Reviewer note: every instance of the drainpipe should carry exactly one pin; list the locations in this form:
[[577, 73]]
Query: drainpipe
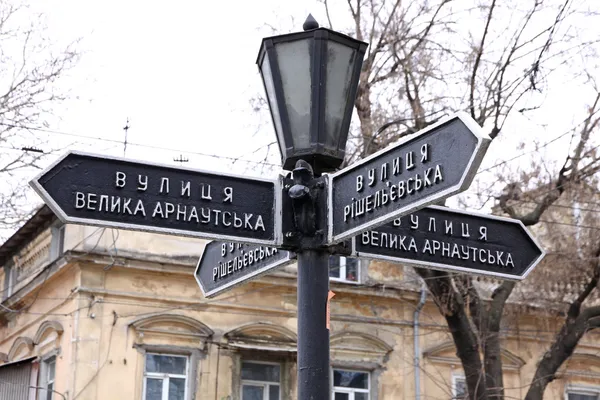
[[417, 358]]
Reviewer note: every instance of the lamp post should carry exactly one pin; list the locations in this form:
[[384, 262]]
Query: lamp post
[[310, 79]]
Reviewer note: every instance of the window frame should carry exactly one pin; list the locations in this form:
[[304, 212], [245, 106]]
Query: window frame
[[342, 271], [44, 381], [351, 391], [455, 379], [10, 279], [165, 377], [264, 384], [581, 389]]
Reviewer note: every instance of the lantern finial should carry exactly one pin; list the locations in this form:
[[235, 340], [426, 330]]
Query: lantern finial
[[310, 23]]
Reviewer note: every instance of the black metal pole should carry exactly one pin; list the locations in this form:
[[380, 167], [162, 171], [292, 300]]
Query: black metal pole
[[313, 335]]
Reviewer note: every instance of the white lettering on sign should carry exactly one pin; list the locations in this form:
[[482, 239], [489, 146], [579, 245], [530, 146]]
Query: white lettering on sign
[[396, 168], [142, 183], [425, 153], [371, 176], [482, 233], [246, 258], [430, 224], [384, 172], [164, 185], [203, 191], [168, 210], [359, 183], [120, 179], [409, 161], [118, 204], [185, 188], [394, 192], [414, 221], [228, 192], [408, 244]]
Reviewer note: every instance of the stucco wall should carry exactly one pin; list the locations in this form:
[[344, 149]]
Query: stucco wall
[[115, 306]]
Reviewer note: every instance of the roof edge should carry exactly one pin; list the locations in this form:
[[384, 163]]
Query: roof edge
[[25, 233]]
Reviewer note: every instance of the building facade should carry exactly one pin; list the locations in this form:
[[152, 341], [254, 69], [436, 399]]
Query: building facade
[[93, 313]]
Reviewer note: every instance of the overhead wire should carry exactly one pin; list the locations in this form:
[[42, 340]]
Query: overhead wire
[[537, 148], [263, 163], [569, 224], [148, 146], [234, 159], [115, 238], [565, 206], [110, 339], [3, 382], [221, 300], [430, 325], [47, 270]]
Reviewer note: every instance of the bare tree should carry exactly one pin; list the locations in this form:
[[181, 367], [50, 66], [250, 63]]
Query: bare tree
[[495, 60], [31, 68]]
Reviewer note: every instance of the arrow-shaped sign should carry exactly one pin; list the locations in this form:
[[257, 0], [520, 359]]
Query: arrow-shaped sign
[[224, 265], [442, 238], [435, 163], [114, 192]]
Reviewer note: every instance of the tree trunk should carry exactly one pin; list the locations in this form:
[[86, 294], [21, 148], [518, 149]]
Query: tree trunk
[[565, 343], [492, 355], [467, 350], [451, 306]]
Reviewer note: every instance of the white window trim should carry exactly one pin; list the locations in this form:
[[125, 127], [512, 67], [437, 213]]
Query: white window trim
[[155, 375], [264, 384], [351, 391], [343, 272], [582, 389], [43, 384], [12, 280], [454, 379]]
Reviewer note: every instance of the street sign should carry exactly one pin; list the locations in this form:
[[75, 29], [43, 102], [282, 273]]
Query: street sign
[[114, 192], [442, 238], [224, 265], [435, 163]]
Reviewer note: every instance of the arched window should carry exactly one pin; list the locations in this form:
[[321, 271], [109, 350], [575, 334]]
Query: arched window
[[22, 348], [357, 359], [264, 360], [171, 348]]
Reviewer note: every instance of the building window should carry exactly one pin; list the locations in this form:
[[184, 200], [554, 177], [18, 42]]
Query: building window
[[261, 381], [47, 372], [10, 279], [165, 377], [583, 393], [459, 388], [344, 269], [350, 385]]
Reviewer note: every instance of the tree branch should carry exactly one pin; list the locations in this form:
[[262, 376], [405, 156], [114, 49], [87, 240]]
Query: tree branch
[[478, 59], [576, 324]]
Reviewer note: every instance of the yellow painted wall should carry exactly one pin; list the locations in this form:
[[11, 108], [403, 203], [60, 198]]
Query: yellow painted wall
[[102, 302]]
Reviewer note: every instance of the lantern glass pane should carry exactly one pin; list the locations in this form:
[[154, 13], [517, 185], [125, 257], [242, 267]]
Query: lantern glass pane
[[267, 75], [340, 64], [294, 64]]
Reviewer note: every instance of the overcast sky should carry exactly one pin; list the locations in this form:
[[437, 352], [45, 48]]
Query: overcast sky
[[184, 74]]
